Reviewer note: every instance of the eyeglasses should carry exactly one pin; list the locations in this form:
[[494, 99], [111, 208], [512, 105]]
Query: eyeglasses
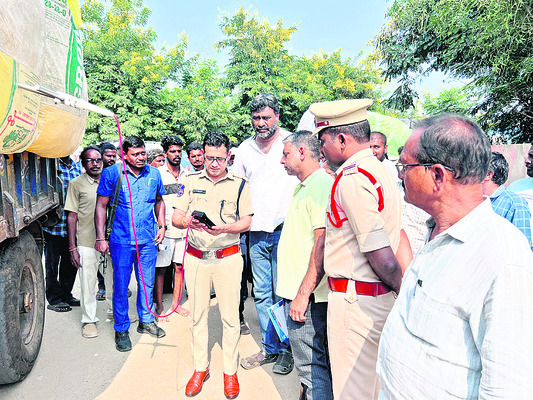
[[93, 160], [401, 167], [219, 160]]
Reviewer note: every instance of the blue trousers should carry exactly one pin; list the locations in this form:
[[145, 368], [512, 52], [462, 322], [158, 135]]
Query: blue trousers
[[264, 253], [309, 344], [124, 257]]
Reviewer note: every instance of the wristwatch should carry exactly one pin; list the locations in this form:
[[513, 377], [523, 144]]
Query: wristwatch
[[162, 226]]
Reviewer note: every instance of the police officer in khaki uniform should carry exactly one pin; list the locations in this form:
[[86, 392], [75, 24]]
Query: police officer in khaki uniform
[[213, 256], [362, 237]]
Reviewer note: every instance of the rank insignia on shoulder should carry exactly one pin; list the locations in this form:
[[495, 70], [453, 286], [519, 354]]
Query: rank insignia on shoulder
[[181, 190], [351, 169]]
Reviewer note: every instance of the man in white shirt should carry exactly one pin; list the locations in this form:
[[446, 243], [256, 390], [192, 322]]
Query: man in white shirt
[[460, 326], [271, 188]]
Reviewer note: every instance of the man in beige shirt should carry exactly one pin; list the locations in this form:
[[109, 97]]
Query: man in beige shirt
[[80, 205], [362, 237], [213, 256]]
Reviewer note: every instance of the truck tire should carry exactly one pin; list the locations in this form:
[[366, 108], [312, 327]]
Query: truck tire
[[21, 307]]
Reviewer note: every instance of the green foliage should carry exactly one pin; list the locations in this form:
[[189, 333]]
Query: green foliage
[[456, 100], [487, 42], [155, 93], [259, 62], [124, 71]]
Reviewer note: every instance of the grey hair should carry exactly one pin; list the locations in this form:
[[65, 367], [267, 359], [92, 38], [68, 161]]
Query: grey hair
[[456, 142], [499, 167], [263, 100], [306, 140]]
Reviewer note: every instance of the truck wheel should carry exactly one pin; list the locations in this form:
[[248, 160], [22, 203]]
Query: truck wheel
[[21, 307]]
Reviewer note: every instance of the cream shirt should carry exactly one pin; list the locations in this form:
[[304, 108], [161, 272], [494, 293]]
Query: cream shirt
[[461, 326]]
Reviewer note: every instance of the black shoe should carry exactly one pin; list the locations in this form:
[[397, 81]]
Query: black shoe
[[122, 341], [284, 364], [151, 328], [73, 302]]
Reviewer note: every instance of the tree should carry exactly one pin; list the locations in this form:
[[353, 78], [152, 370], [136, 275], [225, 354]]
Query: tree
[[454, 100], [489, 43], [124, 71], [200, 104], [259, 62]]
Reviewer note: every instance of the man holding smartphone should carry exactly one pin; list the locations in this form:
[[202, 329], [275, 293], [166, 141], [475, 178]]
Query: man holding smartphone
[[213, 256]]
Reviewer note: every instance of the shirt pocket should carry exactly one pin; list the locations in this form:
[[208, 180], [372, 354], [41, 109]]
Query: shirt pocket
[[150, 190], [228, 211], [198, 202]]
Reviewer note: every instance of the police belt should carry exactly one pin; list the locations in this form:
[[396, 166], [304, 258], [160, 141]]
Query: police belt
[[212, 254], [361, 288]]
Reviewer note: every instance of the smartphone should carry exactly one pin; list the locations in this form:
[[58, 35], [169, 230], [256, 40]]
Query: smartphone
[[204, 219]]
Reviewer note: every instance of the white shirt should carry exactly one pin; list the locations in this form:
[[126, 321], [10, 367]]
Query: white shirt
[[461, 327], [270, 185]]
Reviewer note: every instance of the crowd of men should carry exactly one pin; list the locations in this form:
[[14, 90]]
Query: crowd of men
[[373, 308]]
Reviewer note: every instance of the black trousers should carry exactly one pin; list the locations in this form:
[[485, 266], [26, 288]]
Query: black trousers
[[60, 273]]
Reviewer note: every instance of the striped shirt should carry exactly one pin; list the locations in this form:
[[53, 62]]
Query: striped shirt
[[68, 173], [514, 209], [461, 325]]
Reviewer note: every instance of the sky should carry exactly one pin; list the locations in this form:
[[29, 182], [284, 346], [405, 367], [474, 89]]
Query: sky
[[348, 25]]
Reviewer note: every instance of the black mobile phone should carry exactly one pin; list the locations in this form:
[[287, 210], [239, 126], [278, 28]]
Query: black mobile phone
[[204, 219]]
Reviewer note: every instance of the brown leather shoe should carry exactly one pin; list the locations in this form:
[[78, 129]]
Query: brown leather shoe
[[231, 386], [194, 386]]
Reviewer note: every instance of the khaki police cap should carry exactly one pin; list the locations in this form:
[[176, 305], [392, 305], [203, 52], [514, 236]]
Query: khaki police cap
[[340, 112]]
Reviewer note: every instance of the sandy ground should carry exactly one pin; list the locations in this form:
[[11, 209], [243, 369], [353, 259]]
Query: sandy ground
[[71, 367]]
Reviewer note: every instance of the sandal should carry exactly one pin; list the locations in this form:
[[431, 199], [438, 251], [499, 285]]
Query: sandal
[[59, 307], [258, 359], [284, 364], [100, 295]]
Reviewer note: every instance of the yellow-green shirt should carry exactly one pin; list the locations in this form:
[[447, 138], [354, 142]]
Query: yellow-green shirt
[[218, 201], [307, 212]]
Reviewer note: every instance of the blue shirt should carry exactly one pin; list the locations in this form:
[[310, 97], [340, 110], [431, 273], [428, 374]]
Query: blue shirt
[[144, 189], [68, 173], [513, 208]]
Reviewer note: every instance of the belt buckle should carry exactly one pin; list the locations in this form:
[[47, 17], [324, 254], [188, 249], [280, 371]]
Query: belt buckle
[[209, 254]]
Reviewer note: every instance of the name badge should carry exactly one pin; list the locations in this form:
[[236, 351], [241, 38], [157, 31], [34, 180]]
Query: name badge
[[198, 191]]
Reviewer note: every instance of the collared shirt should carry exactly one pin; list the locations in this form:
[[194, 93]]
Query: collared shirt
[[306, 213], [144, 189], [366, 229], [514, 209], [81, 199], [270, 185], [461, 325], [218, 200], [524, 188], [173, 187], [68, 173]]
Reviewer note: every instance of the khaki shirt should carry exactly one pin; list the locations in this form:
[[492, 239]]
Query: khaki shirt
[[81, 199], [217, 200], [172, 186], [366, 229]]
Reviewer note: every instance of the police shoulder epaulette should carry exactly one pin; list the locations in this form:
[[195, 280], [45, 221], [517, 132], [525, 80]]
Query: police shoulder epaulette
[[351, 169], [238, 176]]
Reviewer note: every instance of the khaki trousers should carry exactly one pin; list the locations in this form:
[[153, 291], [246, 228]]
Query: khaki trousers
[[354, 329], [225, 276], [91, 261]]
